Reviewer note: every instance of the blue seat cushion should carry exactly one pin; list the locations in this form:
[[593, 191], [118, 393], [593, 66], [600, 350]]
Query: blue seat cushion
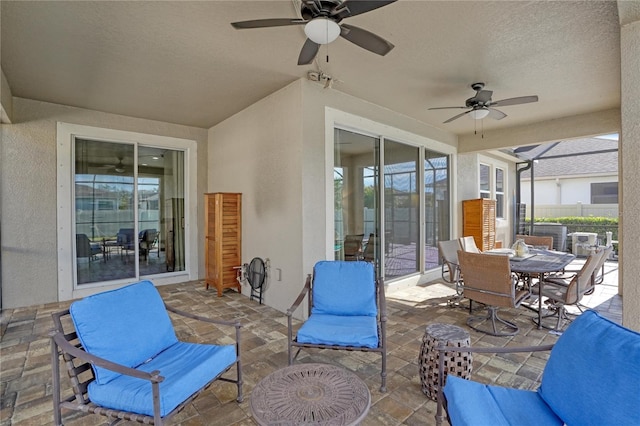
[[473, 403], [127, 326], [592, 376], [344, 288], [360, 331], [186, 367]]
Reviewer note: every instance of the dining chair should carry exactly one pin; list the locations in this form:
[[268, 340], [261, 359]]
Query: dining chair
[[85, 248], [536, 241], [468, 244], [352, 246], [561, 292], [450, 270], [488, 280], [148, 242], [369, 254]]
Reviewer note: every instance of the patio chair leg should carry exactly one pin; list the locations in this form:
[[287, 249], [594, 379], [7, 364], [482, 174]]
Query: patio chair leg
[[492, 315]]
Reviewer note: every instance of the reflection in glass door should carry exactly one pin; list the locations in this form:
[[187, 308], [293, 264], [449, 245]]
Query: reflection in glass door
[[128, 211]]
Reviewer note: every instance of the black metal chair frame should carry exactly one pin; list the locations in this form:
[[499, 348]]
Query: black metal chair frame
[[381, 319], [65, 344]]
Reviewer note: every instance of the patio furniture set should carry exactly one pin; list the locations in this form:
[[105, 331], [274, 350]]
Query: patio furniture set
[[125, 362]]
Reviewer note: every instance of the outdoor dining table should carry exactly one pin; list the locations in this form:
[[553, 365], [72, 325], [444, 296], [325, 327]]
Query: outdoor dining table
[[541, 262]]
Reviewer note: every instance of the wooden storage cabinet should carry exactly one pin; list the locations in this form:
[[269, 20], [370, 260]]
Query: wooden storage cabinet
[[479, 221], [223, 240]]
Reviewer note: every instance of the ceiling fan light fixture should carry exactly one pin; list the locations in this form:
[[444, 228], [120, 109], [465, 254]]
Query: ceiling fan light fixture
[[322, 30], [479, 114]]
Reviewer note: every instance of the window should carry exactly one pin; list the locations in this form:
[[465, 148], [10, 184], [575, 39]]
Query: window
[[604, 193], [485, 181], [492, 184], [499, 192]]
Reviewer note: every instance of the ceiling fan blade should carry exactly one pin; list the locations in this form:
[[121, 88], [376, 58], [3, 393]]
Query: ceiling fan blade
[[265, 23], [356, 7], [515, 101], [459, 107], [496, 114], [455, 117], [483, 96], [308, 52], [365, 39]]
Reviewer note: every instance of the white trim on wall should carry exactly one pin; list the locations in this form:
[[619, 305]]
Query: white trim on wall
[[65, 215]]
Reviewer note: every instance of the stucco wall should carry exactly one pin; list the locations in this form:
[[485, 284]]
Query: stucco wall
[[629, 160], [258, 152], [274, 152], [29, 272]]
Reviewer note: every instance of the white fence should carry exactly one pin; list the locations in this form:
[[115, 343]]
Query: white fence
[[579, 209]]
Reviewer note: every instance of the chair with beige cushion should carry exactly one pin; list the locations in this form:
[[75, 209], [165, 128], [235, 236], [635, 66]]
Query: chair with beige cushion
[[449, 253], [468, 244], [561, 292], [488, 280], [536, 241]]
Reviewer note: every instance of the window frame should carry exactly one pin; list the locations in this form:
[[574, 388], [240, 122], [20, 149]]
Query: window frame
[[493, 166]]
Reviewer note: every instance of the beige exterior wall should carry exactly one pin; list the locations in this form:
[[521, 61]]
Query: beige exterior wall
[[29, 246], [277, 153], [629, 159]]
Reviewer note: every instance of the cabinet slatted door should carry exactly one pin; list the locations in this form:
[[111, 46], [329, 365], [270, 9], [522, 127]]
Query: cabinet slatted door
[[223, 241], [479, 221]]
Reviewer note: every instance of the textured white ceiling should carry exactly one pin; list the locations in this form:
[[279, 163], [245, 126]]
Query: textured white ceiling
[[181, 62]]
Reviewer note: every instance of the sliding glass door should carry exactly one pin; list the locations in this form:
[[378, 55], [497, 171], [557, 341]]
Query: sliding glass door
[[402, 238], [129, 211]]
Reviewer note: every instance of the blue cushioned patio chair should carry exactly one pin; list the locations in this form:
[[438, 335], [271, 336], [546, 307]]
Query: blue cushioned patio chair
[[591, 378], [125, 361], [347, 311]]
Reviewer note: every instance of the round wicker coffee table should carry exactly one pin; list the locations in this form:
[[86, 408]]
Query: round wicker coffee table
[[300, 394], [457, 363]]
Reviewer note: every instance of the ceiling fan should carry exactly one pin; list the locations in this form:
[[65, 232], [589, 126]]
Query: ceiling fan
[[118, 167], [481, 105], [322, 20]]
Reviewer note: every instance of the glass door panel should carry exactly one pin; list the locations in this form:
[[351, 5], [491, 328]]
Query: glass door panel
[[436, 205], [104, 211], [160, 210], [402, 208], [355, 177]]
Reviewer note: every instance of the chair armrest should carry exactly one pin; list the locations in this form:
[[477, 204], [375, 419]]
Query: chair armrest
[[76, 352], [442, 348], [300, 298]]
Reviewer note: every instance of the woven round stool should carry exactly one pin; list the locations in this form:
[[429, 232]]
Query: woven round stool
[[458, 363]]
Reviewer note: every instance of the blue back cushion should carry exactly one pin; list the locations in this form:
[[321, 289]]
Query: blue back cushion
[[128, 326], [592, 376], [344, 288]]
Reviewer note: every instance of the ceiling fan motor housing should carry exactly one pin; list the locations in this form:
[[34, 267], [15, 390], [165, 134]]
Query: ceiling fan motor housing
[[309, 9]]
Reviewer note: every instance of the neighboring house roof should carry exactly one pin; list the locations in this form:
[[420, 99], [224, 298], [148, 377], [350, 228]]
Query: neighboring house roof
[[570, 158]]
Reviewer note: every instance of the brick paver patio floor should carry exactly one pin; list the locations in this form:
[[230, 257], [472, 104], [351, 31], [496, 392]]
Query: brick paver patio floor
[[25, 370]]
